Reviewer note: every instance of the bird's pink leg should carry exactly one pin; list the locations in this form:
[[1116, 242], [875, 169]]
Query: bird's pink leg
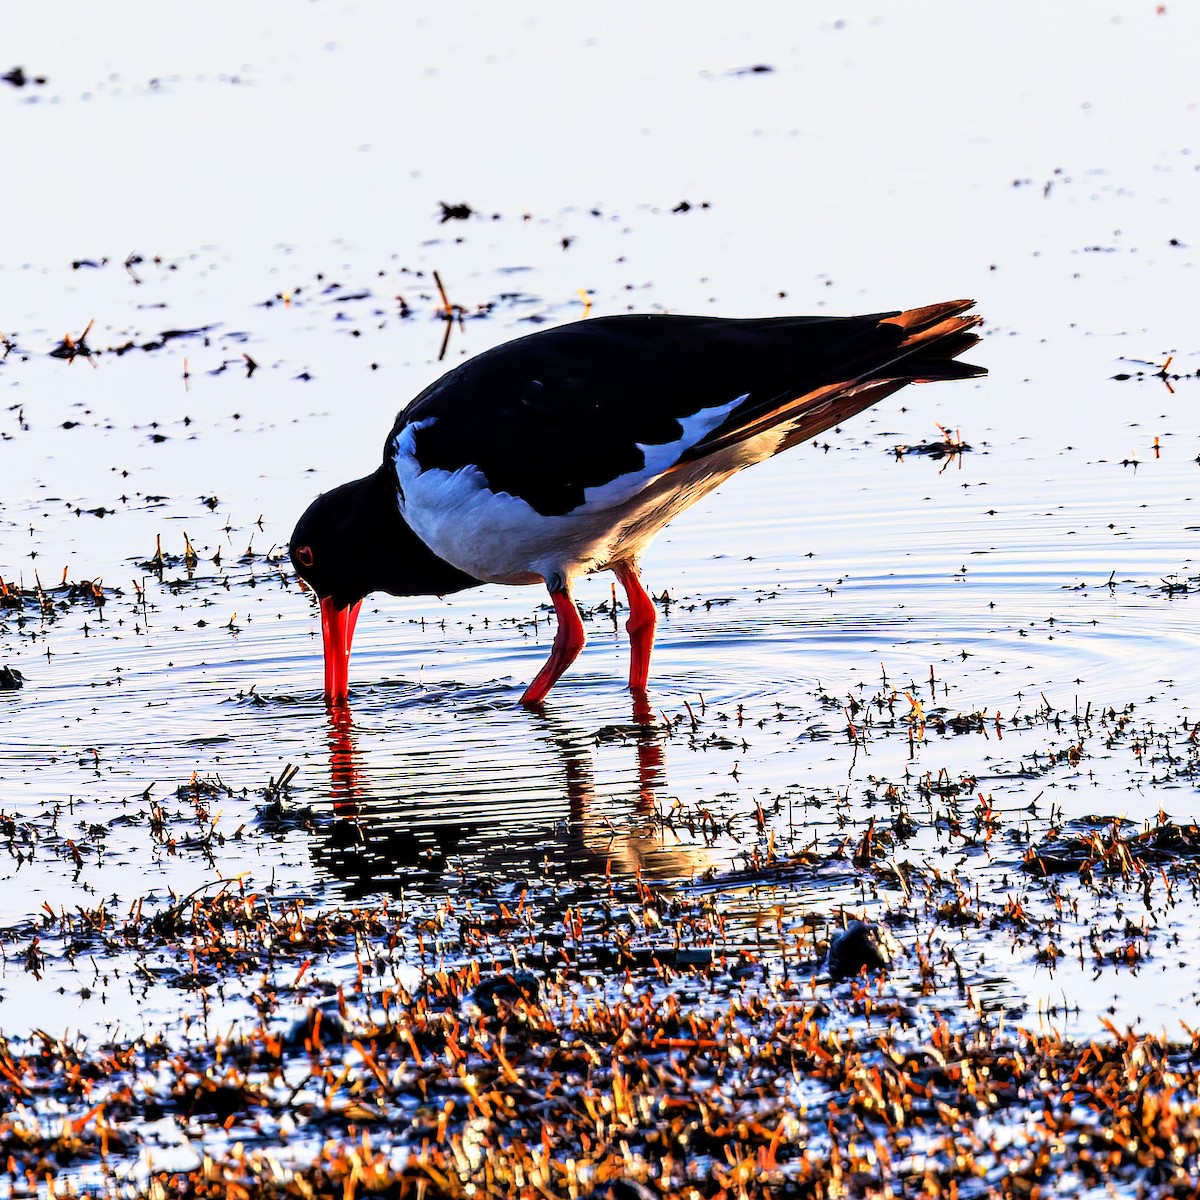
[[643, 618], [568, 642]]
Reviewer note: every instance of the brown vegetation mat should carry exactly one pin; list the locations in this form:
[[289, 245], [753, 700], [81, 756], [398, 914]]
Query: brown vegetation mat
[[627, 1053]]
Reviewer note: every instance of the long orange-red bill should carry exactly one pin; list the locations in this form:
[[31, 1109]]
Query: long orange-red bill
[[337, 631]]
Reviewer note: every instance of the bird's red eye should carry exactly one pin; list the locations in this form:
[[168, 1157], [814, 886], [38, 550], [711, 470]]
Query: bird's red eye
[[304, 556]]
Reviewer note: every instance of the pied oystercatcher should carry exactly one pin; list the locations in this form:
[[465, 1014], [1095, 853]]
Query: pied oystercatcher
[[565, 451]]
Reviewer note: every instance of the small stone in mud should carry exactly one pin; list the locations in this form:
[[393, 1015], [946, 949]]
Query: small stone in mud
[[11, 679], [509, 986], [858, 945]]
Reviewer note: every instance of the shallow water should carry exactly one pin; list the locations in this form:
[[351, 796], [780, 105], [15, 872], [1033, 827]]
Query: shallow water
[[275, 194]]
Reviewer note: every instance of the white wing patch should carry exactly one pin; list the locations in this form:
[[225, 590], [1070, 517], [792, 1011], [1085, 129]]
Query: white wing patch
[[490, 535], [658, 458], [501, 538]]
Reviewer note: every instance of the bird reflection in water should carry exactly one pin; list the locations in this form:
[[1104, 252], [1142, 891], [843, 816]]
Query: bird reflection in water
[[384, 838], [343, 761]]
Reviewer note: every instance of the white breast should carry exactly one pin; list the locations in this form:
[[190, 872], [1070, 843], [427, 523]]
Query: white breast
[[500, 538]]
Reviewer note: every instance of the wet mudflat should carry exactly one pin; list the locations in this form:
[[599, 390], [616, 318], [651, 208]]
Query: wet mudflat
[[934, 674]]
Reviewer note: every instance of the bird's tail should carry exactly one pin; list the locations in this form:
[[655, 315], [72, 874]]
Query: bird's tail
[[935, 336], [925, 351]]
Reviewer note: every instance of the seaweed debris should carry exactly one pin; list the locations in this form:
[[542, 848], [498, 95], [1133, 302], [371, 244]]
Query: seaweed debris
[[715, 1076]]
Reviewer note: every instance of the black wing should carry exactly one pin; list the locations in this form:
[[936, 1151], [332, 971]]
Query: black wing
[[565, 409]]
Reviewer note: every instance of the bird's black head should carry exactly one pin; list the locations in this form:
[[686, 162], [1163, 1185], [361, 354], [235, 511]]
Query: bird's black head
[[352, 541], [328, 550]]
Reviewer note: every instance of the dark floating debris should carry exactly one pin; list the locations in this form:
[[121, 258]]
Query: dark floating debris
[[72, 348], [1161, 372], [1112, 846], [49, 601], [455, 212], [19, 79], [203, 787], [950, 445], [11, 679], [1172, 585], [162, 339]]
